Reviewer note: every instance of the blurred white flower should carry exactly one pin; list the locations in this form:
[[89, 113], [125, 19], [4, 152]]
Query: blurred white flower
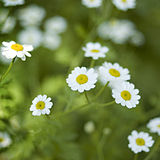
[[126, 95], [56, 25], [106, 131], [3, 59], [3, 15], [9, 24], [12, 49], [82, 79], [92, 3], [137, 38], [139, 142], [89, 127], [30, 35], [124, 4], [119, 31], [95, 50], [154, 125], [5, 140], [13, 2], [113, 73], [31, 15], [51, 41], [41, 105]]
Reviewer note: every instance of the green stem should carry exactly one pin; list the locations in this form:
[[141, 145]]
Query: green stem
[[136, 157], [92, 63], [9, 68], [155, 148], [101, 91], [106, 104], [85, 93]]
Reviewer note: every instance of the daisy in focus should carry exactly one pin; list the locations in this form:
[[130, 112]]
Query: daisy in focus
[[124, 4], [12, 49], [139, 142], [126, 95], [113, 73], [13, 2], [82, 79], [92, 3], [154, 125], [95, 50], [41, 105], [5, 140]]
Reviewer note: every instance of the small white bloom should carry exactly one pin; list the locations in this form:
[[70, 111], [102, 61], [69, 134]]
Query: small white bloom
[[95, 50], [41, 105], [124, 4], [126, 95], [51, 41], [113, 73], [137, 38], [31, 35], [154, 125], [8, 25], [139, 142], [13, 2], [3, 59], [106, 131], [31, 15], [56, 25], [89, 127], [82, 79], [92, 3], [12, 49], [5, 140]]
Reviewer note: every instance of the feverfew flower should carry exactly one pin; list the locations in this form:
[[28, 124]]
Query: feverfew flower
[[31, 15], [139, 142], [92, 3], [126, 95], [5, 140], [124, 4], [56, 25], [31, 35], [41, 105], [82, 79], [95, 50], [13, 2], [12, 49], [51, 41], [89, 127], [113, 73], [154, 125]]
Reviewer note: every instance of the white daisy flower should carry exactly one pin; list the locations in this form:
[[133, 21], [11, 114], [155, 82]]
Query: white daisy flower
[[154, 125], [31, 35], [92, 3], [126, 95], [89, 127], [82, 79], [31, 15], [124, 4], [139, 142], [113, 73], [8, 25], [13, 2], [5, 140], [41, 105], [51, 41], [12, 49], [56, 25], [95, 50]]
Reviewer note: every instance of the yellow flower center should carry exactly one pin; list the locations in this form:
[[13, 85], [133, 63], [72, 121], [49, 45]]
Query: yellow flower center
[[158, 125], [114, 72], [82, 78], [126, 95], [124, 1], [1, 139], [17, 47], [94, 50], [40, 105], [140, 141]]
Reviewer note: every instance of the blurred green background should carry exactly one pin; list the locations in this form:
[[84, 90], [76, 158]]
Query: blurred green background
[[64, 138]]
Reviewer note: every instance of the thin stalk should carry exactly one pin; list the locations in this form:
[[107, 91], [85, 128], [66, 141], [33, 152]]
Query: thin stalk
[[106, 104], [136, 157], [7, 71], [92, 63], [85, 93]]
